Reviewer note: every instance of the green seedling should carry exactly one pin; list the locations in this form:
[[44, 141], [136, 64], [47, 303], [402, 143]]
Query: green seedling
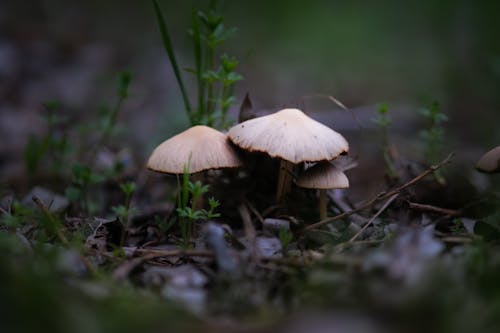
[[286, 237], [383, 120], [108, 123], [50, 223], [19, 215], [457, 227], [83, 178], [433, 135], [215, 75], [16, 216], [53, 146], [125, 211], [104, 127], [190, 213], [164, 224]]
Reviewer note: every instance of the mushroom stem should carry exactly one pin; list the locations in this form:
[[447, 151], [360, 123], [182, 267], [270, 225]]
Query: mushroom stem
[[322, 204], [284, 180]]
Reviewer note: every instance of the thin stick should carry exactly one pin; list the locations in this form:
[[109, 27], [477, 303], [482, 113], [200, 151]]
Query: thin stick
[[4, 211], [456, 240], [123, 270], [387, 203], [307, 261], [382, 195], [345, 245], [248, 227], [254, 211], [151, 253], [434, 209]]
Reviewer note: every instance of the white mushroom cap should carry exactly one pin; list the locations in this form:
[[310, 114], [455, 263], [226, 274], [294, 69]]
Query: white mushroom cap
[[490, 162], [323, 175], [199, 147], [290, 135]]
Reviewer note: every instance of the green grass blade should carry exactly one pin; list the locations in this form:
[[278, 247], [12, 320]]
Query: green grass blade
[[167, 44], [198, 64]]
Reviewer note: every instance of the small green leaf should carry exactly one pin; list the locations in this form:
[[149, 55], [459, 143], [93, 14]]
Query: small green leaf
[[128, 188]]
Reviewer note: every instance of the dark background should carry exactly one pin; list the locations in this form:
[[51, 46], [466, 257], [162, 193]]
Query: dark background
[[406, 54]]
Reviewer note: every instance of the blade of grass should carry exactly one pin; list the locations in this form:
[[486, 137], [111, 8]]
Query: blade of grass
[[167, 44], [198, 64]]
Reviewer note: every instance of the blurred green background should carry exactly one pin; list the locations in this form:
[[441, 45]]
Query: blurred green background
[[403, 53]]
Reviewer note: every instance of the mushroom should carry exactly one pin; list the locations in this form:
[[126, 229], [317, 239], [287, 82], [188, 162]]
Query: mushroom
[[490, 162], [323, 176], [196, 149], [291, 136]]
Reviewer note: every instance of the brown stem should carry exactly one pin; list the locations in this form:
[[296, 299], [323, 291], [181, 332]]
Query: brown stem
[[322, 204], [284, 180]]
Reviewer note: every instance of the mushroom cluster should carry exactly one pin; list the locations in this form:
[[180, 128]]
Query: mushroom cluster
[[289, 135]]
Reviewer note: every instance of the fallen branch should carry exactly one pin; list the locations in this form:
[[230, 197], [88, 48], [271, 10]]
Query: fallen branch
[[433, 209], [342, 246], [151, 253], [143, 255], [384, 207], [307, 260], [383, 195]]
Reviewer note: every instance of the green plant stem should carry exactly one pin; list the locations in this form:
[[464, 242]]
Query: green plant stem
[[109, 127], [210, 94], [167, 44], [111, 123], [198, 56], [224, 107]]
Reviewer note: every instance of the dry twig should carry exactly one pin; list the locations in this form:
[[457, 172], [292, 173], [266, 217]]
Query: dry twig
[[433, 209], [387, 203], [383, 195]]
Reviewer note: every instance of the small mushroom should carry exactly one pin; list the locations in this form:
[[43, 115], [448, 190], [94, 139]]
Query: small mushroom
[[291, 136], [198, 148], [490, 162], [323, 176]]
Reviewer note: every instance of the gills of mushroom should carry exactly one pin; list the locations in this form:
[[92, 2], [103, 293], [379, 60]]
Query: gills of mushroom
[[323, 176], [291, 136]]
